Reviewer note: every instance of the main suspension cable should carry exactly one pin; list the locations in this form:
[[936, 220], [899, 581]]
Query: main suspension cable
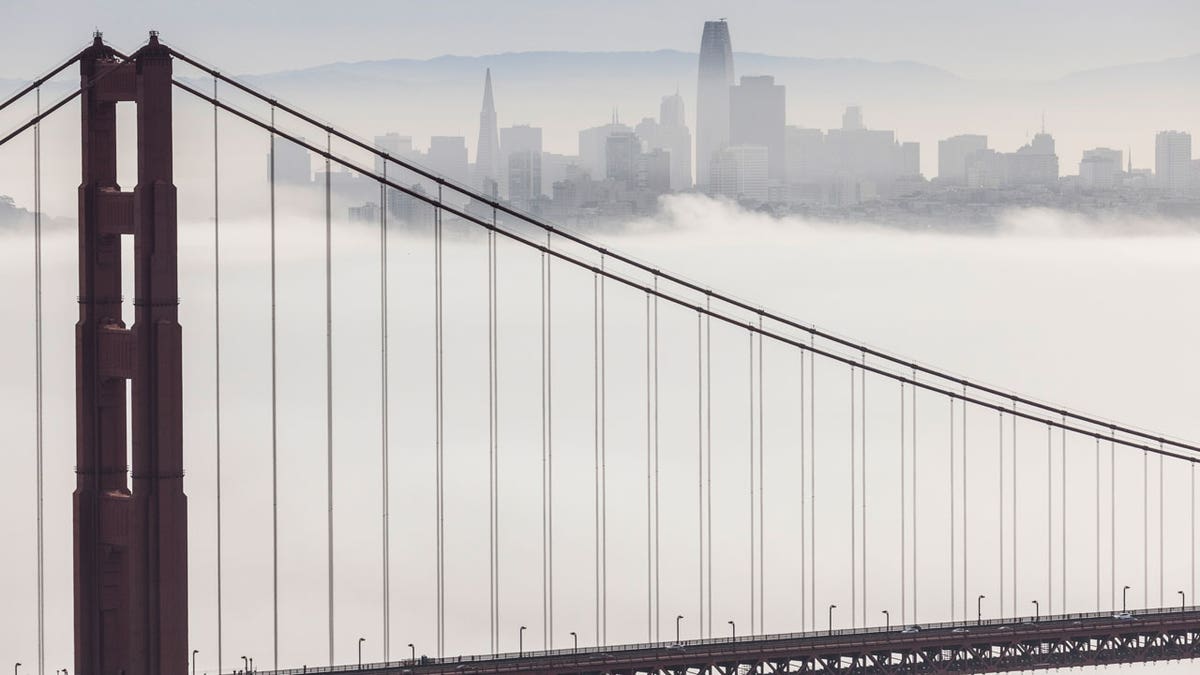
[[683, 283]]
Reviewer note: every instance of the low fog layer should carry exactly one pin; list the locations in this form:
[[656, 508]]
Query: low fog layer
[[1051, 307]]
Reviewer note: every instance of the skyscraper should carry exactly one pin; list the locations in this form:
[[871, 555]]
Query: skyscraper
[[757, 110], [1173, 160], [522, 148], [712, 96], [487, 152], [952, 156]]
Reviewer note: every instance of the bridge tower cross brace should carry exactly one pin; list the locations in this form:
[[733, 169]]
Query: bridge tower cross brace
[[130, 541]]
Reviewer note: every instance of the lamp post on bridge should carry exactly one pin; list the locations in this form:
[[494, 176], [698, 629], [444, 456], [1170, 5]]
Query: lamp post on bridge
[[1125, 599], [678, 618], [16, 667], [361, 640], [194, 653], [733, 630], [575, 639], [979, 610], [831, 608], [245, 664], [1182, 601], [413, 650], [887, 620], [1037, 611], [521, 642]]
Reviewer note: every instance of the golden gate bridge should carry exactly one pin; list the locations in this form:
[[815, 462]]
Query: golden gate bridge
[[131, 579]]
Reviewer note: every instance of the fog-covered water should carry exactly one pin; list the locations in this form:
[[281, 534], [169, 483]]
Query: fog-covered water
[[1052, 306]]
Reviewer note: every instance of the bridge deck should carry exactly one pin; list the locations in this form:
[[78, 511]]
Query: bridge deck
[[992, 646]]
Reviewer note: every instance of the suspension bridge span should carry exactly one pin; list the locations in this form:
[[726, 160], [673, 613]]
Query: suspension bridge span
[[650, 442]]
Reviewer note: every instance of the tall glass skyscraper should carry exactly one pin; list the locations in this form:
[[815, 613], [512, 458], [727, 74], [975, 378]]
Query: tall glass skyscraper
[[712, 96]]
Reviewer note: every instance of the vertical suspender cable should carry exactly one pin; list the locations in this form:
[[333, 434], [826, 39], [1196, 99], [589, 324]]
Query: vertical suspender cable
[[596, 433], [649, 470], [1145, 529], [657, 503], [1015, 521], [37, 328], [700, 464], [603, 462], [545, 526], [329, 376], [853, 503], [439, 421], [274, 426], [753, 563], [1112, 519], [1000, 508], [495, 346], [903, 523], [762, 489], [863, 479], [1192, 512], [965, 549], [1063, 515], [217, 350], [812, 481], [708, 445], [385, 469], [1161, 530], [914, 495], [550, 442], [1049, 520], [1098, 600], [492, 504], [803, 497], [953, 520]]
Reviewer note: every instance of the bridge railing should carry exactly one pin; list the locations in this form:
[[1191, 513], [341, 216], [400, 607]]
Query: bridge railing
[[611, 650]]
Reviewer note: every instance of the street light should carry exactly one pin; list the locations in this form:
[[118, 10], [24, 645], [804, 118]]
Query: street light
[[194, 653], [1037, 611], [733, 630], [831, 608], [678, 618], [245, 664], [1182, 601], [888, 620], [414, 651], [575, 638], [361, 640], [16, 667], [979, 610], [1124, 599], [252, 664], [521, 641]]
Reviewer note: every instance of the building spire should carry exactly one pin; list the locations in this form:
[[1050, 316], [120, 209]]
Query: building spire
[[487, 151]]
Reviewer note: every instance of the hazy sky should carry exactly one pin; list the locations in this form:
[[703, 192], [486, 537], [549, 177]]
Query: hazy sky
[[1028, 39]]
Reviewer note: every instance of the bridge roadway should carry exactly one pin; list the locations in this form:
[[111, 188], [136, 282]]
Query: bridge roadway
[[991, 646]]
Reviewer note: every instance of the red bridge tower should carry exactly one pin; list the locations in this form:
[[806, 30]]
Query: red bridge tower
[[130, 545]]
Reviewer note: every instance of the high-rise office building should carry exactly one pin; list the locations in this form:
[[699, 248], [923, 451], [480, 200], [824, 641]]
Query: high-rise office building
[[487, 152], [1100, 168], [521, 146], [622, 151], [1173, 161], [739, 172], [952, 156], [757, 114], [670, 133], [448, 156], [712, 96], [593, 145], [293, 164]]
